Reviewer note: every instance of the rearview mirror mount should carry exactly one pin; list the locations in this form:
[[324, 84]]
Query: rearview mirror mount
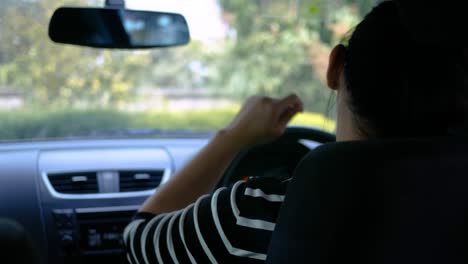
[[117, 28]]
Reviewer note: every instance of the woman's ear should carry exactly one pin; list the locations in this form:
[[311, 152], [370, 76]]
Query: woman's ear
[[336, 66]]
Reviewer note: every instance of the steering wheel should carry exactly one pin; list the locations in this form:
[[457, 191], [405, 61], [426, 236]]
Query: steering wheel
[[279, 157]]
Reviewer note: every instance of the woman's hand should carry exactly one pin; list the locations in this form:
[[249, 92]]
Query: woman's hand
[[263, 119], [260, 120]]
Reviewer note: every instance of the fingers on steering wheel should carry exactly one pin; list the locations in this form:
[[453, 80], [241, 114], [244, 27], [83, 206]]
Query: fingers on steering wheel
[[288, 107]]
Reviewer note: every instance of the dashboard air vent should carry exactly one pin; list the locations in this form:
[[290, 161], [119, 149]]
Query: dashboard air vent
[[74, 183], [131, 181]]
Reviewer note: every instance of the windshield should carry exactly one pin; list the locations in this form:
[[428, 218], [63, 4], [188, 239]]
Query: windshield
[[239, 48]]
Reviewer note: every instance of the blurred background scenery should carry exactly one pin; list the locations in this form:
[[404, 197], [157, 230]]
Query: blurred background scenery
[[239, 48]]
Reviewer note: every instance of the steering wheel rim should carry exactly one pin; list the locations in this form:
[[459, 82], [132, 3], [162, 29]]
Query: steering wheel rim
[[290, 139]]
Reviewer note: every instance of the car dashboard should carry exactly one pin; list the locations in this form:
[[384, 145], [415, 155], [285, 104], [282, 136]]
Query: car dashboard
[[75, 197]]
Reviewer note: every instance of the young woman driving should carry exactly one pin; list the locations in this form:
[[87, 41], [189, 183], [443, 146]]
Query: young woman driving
[[387, 84]]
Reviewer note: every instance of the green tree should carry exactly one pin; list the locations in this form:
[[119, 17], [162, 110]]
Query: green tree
[[60, 75], [282, 46]]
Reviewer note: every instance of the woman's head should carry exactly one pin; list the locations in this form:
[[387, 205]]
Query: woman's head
[[391, 85]]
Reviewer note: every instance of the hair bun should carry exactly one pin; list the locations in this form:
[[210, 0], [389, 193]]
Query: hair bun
[[440, 23]]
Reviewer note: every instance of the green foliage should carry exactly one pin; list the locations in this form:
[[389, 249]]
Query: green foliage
[[275, 47], [61, 75], [65, 123], [281, 47]]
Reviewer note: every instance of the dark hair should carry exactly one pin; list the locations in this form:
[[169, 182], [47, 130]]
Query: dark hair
[[401, 87]]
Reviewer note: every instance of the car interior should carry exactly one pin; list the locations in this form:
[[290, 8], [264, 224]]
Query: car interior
[[68, 198]]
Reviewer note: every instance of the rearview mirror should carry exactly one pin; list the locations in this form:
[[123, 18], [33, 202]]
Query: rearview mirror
[[118, 28]]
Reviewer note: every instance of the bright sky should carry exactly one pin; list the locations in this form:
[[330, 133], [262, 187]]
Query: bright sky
[[203, 16]]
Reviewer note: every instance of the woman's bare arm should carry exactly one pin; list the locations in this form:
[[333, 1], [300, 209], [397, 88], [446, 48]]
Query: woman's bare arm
[[260, 120]]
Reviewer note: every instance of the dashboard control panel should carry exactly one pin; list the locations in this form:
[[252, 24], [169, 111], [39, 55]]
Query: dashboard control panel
[[75, 197], [92, 231]]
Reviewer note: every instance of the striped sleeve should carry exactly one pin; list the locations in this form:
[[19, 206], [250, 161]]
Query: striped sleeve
[[231, 225]]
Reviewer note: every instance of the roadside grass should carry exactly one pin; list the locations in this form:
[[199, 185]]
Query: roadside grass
[[37, 124]]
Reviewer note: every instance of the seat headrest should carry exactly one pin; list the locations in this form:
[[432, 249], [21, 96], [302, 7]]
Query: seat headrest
[[391, 201], [440, 23]]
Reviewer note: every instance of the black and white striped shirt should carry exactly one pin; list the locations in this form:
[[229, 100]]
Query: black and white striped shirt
[[230, 226]]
